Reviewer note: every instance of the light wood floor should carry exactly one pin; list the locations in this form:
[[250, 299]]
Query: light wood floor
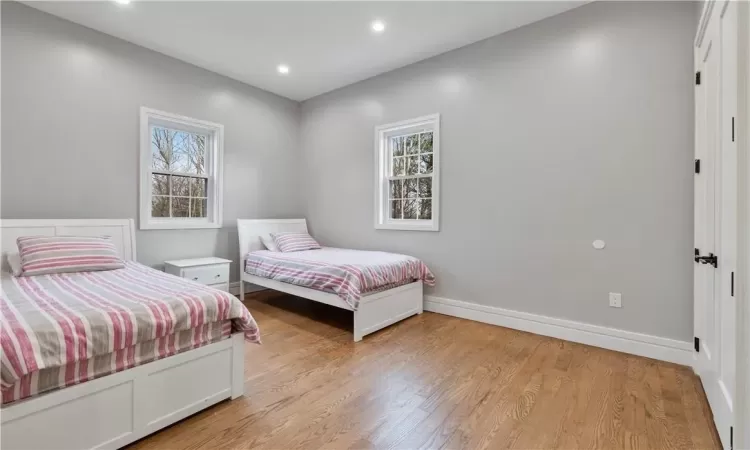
[[438, 382]]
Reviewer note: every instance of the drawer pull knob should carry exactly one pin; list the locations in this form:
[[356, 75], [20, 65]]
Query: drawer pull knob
[[217, 276], [195, 278]]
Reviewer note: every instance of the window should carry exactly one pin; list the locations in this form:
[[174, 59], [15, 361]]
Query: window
[[406, 182], [181, 171]]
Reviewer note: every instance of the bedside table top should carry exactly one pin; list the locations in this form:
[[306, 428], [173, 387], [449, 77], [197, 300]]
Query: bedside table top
[[197, 262]]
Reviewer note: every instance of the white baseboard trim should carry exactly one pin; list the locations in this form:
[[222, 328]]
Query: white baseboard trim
[[234, 288], [664, 349]]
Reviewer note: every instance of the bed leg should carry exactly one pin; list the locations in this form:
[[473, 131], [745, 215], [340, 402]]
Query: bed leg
[[357, 331], [242, 290], [238, 365]]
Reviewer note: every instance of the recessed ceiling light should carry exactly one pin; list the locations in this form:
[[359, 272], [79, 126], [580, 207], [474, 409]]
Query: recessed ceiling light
[[122, 2], [283, 69], [378, 26]]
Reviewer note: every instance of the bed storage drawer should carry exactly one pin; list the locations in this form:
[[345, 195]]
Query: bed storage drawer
[[215, 274], [115, 410], [107, 413]]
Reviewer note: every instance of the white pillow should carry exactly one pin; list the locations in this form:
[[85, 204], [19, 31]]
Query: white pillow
[[269, 242], [14, 262]]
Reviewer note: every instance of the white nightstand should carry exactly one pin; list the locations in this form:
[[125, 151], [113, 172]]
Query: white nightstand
[[211, 271]]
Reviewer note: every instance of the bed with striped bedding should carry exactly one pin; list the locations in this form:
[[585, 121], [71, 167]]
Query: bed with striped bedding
[[63, 329], [350, 274]]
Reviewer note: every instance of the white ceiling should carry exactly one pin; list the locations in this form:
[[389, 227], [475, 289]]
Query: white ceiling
[[326, 45]]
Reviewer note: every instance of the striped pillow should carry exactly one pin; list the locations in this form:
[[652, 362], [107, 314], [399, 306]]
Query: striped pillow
[[59, 254], [294, 242]]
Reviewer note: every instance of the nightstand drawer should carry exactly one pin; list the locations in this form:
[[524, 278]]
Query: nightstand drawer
[[207, 274]]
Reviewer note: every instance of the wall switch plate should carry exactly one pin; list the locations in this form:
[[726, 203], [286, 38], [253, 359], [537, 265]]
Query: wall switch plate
[[615, 300]]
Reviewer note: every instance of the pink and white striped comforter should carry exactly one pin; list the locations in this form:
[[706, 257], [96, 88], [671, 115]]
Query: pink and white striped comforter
[[346, 273], [59, 319], [52, 378]]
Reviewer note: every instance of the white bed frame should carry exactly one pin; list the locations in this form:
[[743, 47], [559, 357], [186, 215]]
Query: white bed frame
[[115, 410], [376, 311]]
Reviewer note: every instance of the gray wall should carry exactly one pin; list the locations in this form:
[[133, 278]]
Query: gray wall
[[576, 128], [572, 129], [70, 111]]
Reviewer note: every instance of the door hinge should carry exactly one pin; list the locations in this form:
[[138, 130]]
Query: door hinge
[[697, 344], [710, 259], [698, 78], [731, 438], [697, 253], [732, 129], [697, 166], [732, 287]]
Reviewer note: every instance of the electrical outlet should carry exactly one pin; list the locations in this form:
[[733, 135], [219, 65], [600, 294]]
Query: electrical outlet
[[615, 300]]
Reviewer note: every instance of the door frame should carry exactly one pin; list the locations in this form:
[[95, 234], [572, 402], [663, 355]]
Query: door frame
[[699, 223], [742, 389], [742, 434]]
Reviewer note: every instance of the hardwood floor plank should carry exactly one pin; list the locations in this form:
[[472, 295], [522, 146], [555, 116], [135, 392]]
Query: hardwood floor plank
[[696, 411], [544, 425], [656, 425], [509, 398], [678, 433], [634, 417], [501, 369], [439, 382]]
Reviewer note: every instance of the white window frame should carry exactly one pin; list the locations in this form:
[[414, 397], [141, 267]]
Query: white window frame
[[382, 165], [214, 170]]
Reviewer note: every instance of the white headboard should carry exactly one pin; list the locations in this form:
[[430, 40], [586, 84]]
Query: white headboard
[[121, 231], [249, 230]]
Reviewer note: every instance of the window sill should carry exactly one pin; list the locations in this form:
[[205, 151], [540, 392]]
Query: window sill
[[426, 226], [169, 225]]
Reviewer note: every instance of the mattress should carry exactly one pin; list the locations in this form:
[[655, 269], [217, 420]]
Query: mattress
[[61, 324], [53, 378], [346, 273]]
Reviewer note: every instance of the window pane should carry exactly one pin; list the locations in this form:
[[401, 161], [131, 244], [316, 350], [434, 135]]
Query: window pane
[[397, 146], [197, 207], [180, 161], [198, 187], [159, 184], [397, 188], [398, 167], [181, 186], [410, 209], [412, 165], [425, 209], [425, 163], [178, 151], [162, 141], [396, 209], [180, 207], [167, 149], [410, 188], [425, 187], [412, 144], [425, 142], [159, 206], [195, 153]]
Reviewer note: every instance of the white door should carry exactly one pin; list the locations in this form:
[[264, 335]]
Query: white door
[[716, 214]]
